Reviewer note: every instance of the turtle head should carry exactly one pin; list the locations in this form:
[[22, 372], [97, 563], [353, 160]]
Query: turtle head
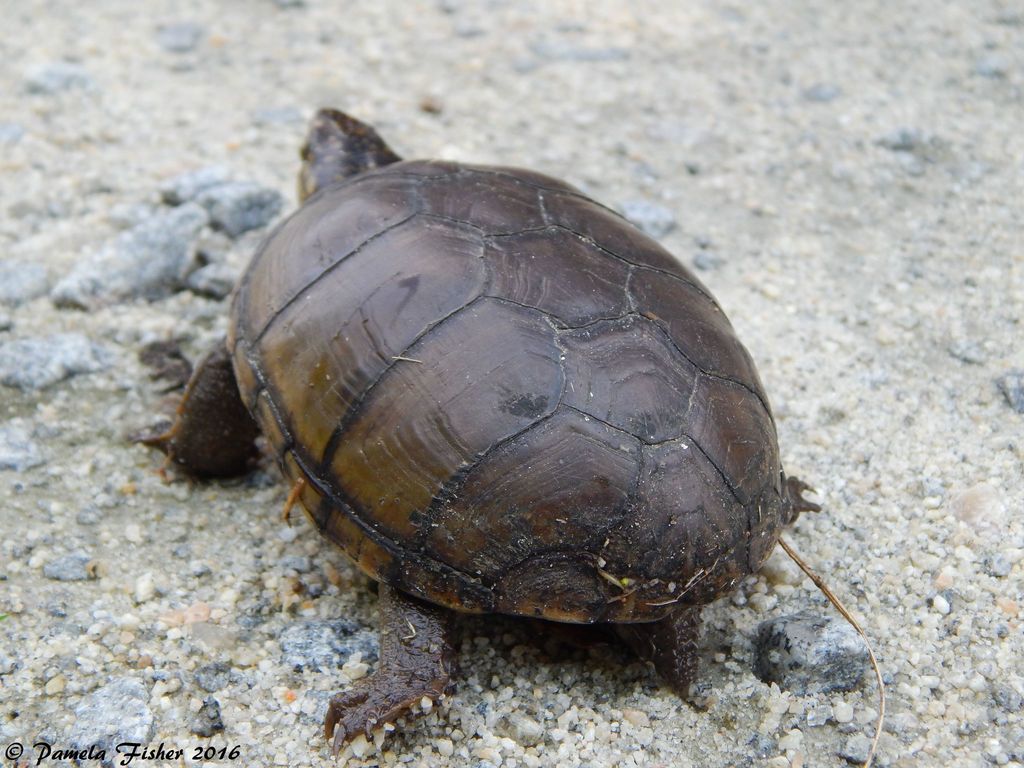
[[338, 147]]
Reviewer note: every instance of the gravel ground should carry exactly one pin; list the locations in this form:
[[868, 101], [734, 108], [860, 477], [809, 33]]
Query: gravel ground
[[848, 180]]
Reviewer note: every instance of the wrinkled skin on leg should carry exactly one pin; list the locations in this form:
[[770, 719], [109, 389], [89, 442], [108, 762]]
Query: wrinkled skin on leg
[[416, 660], [213, 434], [669, 644]]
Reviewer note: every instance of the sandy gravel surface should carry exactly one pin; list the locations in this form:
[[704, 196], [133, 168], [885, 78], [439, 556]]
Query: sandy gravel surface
[[848, 179]]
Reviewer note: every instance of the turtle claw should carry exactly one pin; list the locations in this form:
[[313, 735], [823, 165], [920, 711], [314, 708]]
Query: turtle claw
[[415, 664], [794, 490]]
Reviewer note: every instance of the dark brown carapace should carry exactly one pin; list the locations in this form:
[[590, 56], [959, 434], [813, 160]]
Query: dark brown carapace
[[498, 396]]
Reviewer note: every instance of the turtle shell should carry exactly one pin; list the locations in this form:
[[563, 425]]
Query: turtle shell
[[500, 396]]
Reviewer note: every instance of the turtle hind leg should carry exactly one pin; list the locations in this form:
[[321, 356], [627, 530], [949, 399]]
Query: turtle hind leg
[[669, 644], [213, 434], [337, 147], [416, 660]]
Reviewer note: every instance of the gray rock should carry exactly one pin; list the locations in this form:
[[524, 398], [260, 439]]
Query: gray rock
[[17, 449], [325, 645], [89, 515], [904, 140], [656, 220], [1011, 384], [11, 133], [297, 563], [6, 322], [70, 567], [525, 730], [22, 281], [994, 66], [997, 564], [239, 206], [179, 37], [822, 92], [970, 352], [212, 677], [40, 361], [806, 653], [207, 720], [1007, 698], [116, 713], [57, 76], [855, 750], [213, 280], [188, 186], [148, 261], [707, 260]]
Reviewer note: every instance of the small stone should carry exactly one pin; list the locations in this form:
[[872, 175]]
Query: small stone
[[148, 261], [88, 515], [55, 685], [1011, 384], [525, 730], [706, 261], [941, 605], [997, 564], [325, 645], [994, 66], [179, 37], [70, 567], [239, 206], [188, 186], [656, 220], [17, 449], [980, 506], [214, 280], [212, 677], [969, 352], [297, 563], [903, 140], [145, 588], [11, 133], [207, 720], [22, 281], [1007, 698], [805, 653], [636, 717], [856, 748], [116, 713], [56, 77], [822, 92], [41, 361]]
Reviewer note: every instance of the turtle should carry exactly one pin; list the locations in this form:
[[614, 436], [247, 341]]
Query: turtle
[[497, 395]]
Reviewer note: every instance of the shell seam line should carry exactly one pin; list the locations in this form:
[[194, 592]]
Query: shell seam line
[[339, 499]]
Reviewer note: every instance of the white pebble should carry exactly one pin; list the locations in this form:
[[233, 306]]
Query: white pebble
[[842, 712], [145, 589], [940, 604]]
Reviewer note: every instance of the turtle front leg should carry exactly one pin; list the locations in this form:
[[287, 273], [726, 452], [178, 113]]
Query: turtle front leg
[[669, 644], [213, 434], [416, 660]]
